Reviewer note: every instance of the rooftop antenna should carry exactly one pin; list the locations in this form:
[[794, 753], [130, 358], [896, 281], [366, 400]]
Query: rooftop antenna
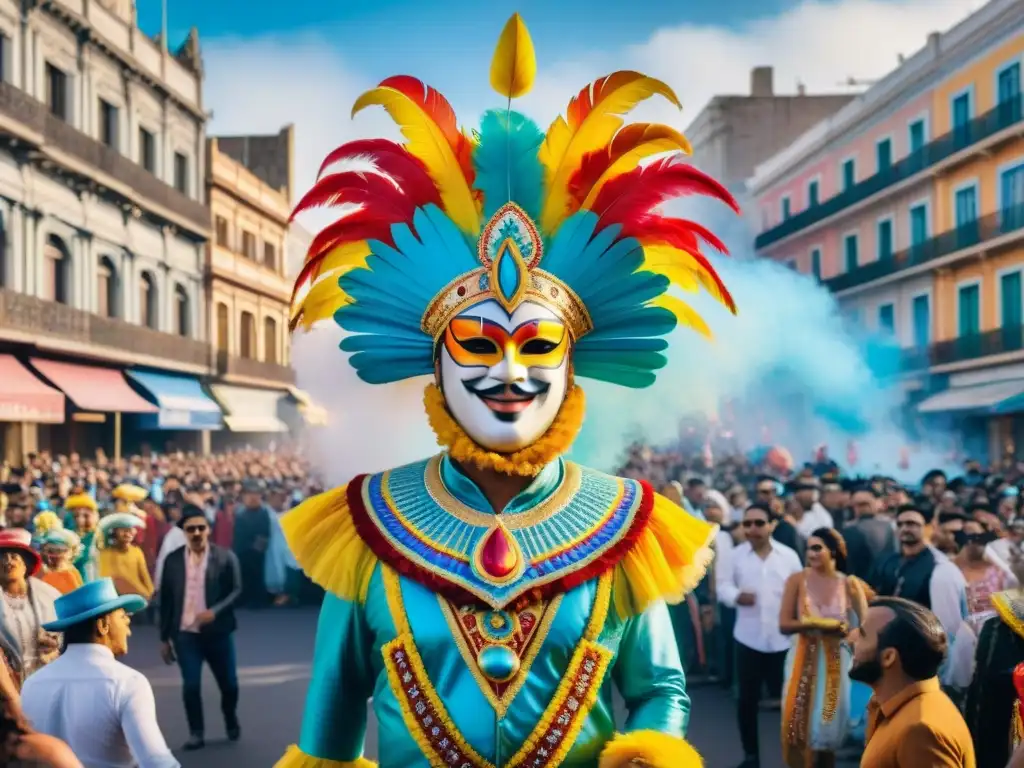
[[854, 82]]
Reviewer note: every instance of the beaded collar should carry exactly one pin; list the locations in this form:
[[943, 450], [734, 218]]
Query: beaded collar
[[414, 523]]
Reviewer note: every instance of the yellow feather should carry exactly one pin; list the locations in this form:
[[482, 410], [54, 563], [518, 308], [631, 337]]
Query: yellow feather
[[680, 276], [659, 258], [350, 254], [685, 314], [514, 65], [323, 299], [426, 142], [595, 130], [672, 141]]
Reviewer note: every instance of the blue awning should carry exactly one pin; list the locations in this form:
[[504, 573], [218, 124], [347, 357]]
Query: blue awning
[[990, 398], [183, 403]]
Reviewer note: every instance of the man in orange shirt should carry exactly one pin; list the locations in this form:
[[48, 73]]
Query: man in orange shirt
[[911, 722]]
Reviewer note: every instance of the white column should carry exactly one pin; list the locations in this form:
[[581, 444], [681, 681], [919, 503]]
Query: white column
[[33, 285], [130, 287], [89, 272]]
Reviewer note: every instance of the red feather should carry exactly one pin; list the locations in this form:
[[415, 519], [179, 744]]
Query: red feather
[[393, 160], [360, 225], [441, 112], [352, 187], [635, 194]]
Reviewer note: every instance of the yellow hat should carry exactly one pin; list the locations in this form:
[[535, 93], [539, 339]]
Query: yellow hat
[[130, 493], [81, 501]]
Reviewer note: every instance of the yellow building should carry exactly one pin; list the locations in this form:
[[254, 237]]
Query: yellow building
[[249, 181]]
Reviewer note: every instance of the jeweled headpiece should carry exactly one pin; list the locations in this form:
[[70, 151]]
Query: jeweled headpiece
[[567, 219]]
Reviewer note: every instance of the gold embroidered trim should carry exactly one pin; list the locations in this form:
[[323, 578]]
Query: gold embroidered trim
[[551, 506], [1006, 604], [500, 703]]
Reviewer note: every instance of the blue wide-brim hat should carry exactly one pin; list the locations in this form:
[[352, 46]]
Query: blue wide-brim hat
[[94, 599]]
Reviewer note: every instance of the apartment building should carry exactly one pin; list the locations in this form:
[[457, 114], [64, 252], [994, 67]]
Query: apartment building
[[103, 231], [908, 204], [249, 287]]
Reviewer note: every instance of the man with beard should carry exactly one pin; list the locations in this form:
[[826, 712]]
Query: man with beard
[[922, 574], [911, 723], [870, 537]]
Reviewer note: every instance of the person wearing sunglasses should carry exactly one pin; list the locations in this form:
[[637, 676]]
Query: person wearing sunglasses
[[753, 583], [199, 587]]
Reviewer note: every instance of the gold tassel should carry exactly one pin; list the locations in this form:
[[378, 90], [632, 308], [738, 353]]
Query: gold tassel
[[514, 65]]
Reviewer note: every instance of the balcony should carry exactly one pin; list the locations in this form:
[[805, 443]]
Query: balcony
[[1001, 341], [17, 105], [242, 367], [1002, 117], [993, 230], [34, 318]]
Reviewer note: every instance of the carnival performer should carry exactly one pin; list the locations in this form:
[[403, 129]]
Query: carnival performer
[[82, 517], [120, 559], [992, 710], [59, 548], [819, 606], [485, 596]]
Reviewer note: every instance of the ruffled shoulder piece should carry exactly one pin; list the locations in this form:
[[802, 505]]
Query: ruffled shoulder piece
[[668, 559], [327, 546]]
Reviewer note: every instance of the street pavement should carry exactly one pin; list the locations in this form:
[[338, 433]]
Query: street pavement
[[274, 651]]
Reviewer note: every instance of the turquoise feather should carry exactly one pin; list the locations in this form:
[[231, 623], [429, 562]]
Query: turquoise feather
[[507, 168], [623, 375], [590, 344]]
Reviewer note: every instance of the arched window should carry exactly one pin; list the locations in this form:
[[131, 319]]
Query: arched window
[[223, 328], [56, 283], [148, 301], [270, 340], [248, 340], [106, 288], [182, 311]]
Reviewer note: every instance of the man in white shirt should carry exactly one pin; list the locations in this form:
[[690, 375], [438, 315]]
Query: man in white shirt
[[753, 583], [104, 710], [810, 515]]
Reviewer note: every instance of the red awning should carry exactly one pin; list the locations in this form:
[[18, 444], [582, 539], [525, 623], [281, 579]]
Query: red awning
[[23, 397], [102, 390]]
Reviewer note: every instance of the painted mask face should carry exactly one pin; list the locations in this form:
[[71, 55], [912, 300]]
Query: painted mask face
[[504, 378]]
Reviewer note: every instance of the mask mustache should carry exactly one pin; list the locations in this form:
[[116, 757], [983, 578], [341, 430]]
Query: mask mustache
[[530, 388]]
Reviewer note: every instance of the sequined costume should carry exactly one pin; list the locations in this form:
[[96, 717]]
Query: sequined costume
[[503, 263]]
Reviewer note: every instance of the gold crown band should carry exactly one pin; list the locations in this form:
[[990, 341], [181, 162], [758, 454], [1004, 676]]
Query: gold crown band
[[473, 287]]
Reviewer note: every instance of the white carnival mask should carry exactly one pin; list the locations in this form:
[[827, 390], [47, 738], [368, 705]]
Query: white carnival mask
[[504, 376]]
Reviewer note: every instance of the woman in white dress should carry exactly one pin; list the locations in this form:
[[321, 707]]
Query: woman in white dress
[[26, 603]]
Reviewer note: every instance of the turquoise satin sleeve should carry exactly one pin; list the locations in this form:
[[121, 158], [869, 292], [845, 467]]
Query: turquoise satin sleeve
[[334, 722], [649, 674]]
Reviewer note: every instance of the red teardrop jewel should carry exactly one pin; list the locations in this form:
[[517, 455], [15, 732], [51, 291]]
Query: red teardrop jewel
[[498, 556]]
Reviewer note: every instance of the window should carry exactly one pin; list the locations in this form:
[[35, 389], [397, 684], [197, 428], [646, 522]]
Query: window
[[887, 318], [270, 340], [147, 150], [56, 285], [885, 239], [109, 122], [961, 120], [249, 245], [816, 263], [849, 173], [269, 256], [1009, 93], [966, 205], [248, 340], [1010, 300], [785, 208], [917, 136], [147, 301], [181, 173], [850, 251], [220, 225], [182, 311], [57, 91], [223, 329], [813, 192], [918, 225], [883, 154], [106, 289], [1011, 195], [969, 310], [922, 318]]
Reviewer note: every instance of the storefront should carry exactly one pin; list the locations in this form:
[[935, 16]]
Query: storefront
[[25, 403], [186, 415], [252, 416]]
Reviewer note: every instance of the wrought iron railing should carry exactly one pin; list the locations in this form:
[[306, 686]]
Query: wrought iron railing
[[1005, 115], [230, 365]]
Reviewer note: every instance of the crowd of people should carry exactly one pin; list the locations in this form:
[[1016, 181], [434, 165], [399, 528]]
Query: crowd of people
[[824, 592], [178, 540], [828, 589]]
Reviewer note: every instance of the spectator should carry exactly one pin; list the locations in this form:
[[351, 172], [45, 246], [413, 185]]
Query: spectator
[[120, 559], [20, 746], [103, 709], [808, 513], [26, 605], [870, 537], [911, 722]]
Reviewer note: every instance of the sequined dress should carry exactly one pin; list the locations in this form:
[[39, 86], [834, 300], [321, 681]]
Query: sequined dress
[[816, 711]]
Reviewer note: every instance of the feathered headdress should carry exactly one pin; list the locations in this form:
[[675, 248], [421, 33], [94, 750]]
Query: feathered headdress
[[568, 219]]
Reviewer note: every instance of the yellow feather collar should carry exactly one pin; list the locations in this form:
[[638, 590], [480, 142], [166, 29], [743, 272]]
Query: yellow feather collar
[[527, 462]]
